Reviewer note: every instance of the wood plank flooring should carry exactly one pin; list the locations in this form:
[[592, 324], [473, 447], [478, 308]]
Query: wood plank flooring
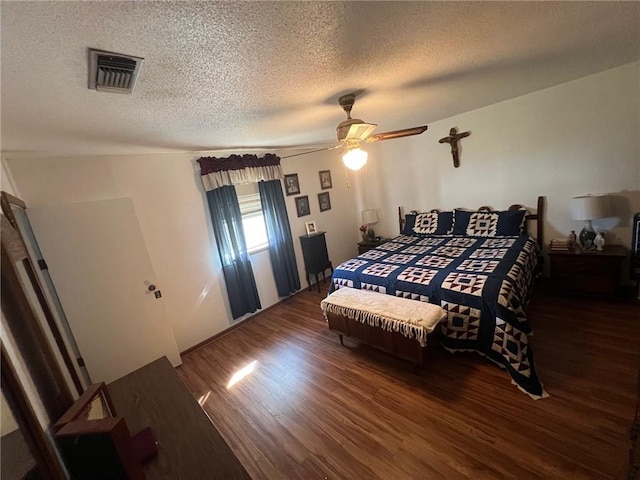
[[313, 409]]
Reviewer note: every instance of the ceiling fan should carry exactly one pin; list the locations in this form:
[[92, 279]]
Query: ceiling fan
[[353, 132]]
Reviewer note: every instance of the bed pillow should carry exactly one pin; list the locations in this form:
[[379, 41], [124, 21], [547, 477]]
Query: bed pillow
[[488, 224], [428, 223]]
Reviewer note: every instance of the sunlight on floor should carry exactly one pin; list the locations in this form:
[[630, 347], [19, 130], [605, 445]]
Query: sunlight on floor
[[240, 374]]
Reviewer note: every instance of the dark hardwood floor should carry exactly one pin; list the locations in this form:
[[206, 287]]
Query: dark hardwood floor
[[313, 409]]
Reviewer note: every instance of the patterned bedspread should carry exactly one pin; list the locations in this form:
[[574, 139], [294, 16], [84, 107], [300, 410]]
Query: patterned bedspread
[[482, 283]]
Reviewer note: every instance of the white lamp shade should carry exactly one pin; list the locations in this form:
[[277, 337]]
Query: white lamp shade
[[369, 216], [590, 207], [355, 159]]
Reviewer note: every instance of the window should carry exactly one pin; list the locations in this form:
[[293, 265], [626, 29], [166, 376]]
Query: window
[[255, 231]]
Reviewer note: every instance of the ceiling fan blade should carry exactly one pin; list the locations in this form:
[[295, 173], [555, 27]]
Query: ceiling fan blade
[[405, 132], [360, 131], [332, 147]]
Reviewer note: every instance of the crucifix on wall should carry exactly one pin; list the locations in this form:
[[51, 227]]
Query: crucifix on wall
[[452, 140]]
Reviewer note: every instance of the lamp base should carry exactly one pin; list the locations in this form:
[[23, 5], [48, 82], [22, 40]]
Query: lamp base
[[587, 236]]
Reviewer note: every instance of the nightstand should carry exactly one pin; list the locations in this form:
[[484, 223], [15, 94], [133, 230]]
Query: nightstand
[[367, 245], [589, 273], [316, 258]]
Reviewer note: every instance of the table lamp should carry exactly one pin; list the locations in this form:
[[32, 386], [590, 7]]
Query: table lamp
[[587, 208], [369, 217]]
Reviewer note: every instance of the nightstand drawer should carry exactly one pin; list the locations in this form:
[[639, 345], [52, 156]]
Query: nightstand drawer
[[585, 265], [606, 286]]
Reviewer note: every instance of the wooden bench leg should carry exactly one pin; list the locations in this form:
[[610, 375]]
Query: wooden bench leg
[[341, 342]]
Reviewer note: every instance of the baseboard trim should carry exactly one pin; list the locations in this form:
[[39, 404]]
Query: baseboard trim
[[237, 325]]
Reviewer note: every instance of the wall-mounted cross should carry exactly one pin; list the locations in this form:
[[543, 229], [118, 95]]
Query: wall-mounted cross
[[453, 139]]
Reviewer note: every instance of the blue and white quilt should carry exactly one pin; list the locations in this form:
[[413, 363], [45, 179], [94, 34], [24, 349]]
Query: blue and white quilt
[[482, 283]]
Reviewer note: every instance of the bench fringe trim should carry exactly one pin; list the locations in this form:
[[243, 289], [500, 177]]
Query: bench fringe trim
[[389, 324]]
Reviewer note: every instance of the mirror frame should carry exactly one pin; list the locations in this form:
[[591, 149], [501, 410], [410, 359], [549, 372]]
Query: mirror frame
[[6, 200]]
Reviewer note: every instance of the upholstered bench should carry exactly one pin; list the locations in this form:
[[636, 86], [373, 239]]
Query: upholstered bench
[[393, 324]]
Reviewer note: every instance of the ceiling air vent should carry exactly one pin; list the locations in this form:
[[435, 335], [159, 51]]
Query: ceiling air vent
[[113, 72]]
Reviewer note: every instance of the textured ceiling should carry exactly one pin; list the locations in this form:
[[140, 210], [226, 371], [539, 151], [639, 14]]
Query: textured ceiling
[[268, 74]]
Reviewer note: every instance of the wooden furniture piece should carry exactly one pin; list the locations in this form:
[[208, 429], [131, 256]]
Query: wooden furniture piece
[[396, 325], [367, 245], [316, 258], [592, 273], [391, 342], [635, 252], [189, 446]]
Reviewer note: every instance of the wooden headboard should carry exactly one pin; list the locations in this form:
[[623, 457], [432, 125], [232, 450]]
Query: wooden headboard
[[538, 217]]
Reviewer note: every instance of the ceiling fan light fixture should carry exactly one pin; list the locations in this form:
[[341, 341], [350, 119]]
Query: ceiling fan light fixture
[[355, 158]]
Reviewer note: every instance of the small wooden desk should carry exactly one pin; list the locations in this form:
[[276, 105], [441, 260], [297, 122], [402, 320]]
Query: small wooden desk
[[189, 444]]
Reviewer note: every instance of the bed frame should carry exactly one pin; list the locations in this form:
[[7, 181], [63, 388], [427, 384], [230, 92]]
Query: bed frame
[[538, 217]]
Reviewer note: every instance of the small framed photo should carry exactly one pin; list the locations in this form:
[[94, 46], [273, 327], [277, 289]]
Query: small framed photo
[[291, 185], [325, 179], [311, 228], [302, 206], [324, 201]]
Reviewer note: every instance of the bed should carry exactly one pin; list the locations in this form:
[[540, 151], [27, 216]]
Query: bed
[[479, 266]]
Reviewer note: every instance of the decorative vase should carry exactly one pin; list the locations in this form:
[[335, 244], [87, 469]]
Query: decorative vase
[[599, 241], [364, 236], [587, 235], [371, 235], [572, 238]]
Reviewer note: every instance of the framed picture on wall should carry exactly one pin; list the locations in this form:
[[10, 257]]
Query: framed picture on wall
[[311, 228], [325, 179], [324, 201], [302, 206], [291, 185]]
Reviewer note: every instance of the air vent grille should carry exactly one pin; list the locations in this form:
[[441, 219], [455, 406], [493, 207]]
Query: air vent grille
[[113, 72]]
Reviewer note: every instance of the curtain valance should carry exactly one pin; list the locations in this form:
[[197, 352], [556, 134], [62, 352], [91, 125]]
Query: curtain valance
[[238, 170]]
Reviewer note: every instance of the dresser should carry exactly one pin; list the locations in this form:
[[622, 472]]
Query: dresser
[[595, 273], [189, 445], [316, 257]]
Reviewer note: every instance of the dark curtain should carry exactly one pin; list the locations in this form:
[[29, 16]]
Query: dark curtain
[[236, 266], [283, 258]]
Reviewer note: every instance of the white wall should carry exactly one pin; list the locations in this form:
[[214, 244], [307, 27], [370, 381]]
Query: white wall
[[573, 139], [171, 207], [6, 180]]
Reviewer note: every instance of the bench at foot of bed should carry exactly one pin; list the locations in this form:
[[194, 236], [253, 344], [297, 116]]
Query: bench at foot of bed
[[395, 325]]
